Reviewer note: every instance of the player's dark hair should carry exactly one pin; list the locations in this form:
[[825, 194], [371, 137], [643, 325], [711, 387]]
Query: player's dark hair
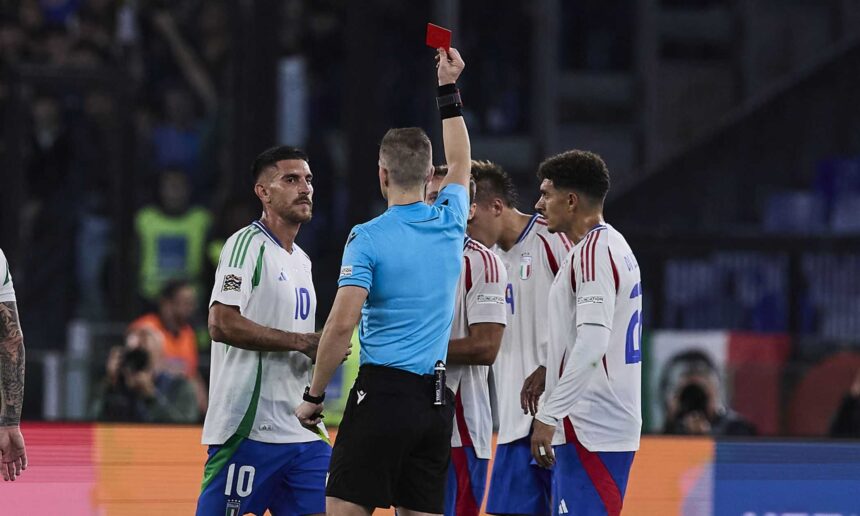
[[493, 182], [442, 171], [269, 157], [582, 171], [171, 288]]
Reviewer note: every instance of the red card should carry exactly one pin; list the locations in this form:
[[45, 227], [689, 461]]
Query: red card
[[438, 37]]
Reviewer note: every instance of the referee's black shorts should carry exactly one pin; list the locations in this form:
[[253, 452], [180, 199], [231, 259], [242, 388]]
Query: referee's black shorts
[[393, 445]]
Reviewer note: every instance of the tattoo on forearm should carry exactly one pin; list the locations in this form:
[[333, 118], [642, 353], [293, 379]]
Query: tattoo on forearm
[[11, 365]]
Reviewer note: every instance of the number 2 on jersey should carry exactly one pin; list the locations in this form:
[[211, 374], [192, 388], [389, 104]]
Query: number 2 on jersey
[[633, 349]]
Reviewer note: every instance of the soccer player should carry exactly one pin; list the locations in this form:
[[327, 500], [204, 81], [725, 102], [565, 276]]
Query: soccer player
[[12, 450], [476, 334], [261, 318], [399, 276], [531, 256], [595, 326]]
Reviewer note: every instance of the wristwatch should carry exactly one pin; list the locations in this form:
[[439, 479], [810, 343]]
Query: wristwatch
[[316, 400]]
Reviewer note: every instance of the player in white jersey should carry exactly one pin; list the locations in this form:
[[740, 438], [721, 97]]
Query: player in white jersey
[[531, 256], [261, 320], [476, 335], [12, 450], [595, 321]]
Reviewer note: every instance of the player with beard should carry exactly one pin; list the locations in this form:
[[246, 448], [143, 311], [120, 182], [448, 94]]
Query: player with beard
[[261, 319]]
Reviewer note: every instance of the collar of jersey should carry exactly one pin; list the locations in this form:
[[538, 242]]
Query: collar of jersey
[[413, 212], [262, 227], [527, 229]]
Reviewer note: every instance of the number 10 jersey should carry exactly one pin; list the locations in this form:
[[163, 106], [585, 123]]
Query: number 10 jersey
[[254, 393]]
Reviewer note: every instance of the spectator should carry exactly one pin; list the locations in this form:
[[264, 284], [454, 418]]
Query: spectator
[[136, 390], [846, 422], [171, 236], [690, 385], [176, 306]]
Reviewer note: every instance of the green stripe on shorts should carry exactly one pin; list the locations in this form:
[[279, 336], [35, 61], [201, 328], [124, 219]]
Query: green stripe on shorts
[[220, 458]]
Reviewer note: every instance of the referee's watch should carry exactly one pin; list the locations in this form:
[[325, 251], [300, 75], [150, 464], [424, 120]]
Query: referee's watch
[[316, 400]]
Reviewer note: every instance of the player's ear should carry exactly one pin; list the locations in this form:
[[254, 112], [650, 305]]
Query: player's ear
[[572, 201], [262, 193], [497, 207]]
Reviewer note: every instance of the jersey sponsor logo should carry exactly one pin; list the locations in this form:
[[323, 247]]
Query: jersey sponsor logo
[[359, 395], [283, 276], [346, 271], [488, 299], [525, 266], [266, 427], [589, 300], [232, 283]]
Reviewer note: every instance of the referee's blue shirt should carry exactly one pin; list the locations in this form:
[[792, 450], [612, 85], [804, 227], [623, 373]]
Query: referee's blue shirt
[[409, 260]]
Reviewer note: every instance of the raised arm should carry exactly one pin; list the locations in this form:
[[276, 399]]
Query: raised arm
[[227, 325], [458, 150]]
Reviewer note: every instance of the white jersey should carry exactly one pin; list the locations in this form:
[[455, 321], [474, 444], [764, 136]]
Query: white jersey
[[253, 393], [531, 265], [7, 291], [480, 299], [599, 284]]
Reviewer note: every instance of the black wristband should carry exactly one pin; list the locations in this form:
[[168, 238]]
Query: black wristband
[[316, 400], [447, 89], [449, 102]]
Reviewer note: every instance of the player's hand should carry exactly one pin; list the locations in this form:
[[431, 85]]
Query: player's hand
[[14, 454], [310, 344], [532, 389], [542, 444], [309, 414], [449, 65]]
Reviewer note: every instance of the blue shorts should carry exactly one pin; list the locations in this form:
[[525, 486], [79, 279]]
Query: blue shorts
[[518, 485], [467, 480], [588, 483], [244, 476]]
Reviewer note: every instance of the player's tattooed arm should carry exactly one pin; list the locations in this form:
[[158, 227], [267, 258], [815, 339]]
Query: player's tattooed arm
[[11, 365]]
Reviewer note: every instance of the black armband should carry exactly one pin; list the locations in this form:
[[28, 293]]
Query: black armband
[[449, 102], [316, 400]]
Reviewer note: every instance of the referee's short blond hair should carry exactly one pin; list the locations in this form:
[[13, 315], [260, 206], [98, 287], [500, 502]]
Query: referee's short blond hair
[[406, 154]]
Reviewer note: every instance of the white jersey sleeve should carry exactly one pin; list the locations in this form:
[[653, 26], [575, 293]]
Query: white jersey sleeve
[[7, 290], [595, 282], [485, 300], [235, 274]]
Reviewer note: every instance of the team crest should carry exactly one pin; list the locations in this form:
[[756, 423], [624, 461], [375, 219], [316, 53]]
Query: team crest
[[233, 507], [525, 266], [232, 283]]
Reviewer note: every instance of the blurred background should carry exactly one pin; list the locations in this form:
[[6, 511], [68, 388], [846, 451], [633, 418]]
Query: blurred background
[[730, 128]]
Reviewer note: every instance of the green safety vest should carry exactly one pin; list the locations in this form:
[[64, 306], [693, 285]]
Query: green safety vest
[[170, 247]]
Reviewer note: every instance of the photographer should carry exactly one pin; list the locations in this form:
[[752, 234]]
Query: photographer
[[690, 385], [139, 394]]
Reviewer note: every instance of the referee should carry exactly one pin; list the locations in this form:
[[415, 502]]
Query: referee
[[399, 276]]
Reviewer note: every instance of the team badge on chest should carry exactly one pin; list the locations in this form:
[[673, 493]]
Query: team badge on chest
[[525, 266]]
